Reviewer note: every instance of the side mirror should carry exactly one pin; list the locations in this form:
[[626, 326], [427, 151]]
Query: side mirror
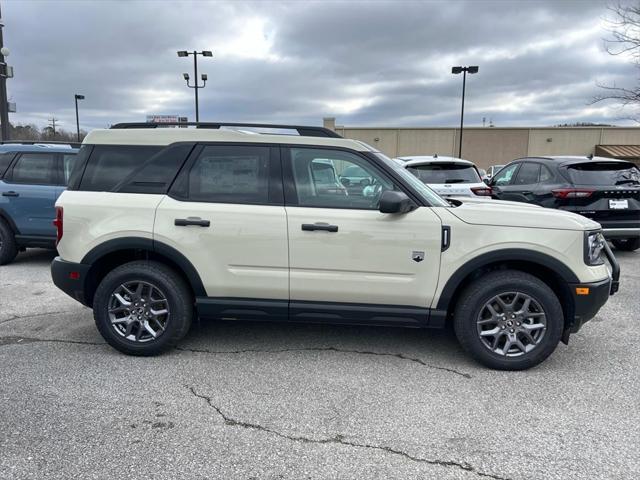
[[395, 202]]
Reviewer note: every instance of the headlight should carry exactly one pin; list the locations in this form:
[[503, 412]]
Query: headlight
[[593, 246]]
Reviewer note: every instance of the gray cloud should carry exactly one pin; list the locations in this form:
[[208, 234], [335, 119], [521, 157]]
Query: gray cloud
[[376, 62]]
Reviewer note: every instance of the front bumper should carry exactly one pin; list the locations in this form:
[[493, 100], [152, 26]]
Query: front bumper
[[588, 298], [70, 277]]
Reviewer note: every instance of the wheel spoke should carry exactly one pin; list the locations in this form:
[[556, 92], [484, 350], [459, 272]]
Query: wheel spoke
[[148, 328], [533, 326], [121, 319], [156, 313], [121, 299], [493, 331]]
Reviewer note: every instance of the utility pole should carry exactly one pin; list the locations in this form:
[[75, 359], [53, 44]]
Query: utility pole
[[52, 124], [4, 106]]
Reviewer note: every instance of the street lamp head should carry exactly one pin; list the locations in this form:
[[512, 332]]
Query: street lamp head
[[79, 97], [473, 69], [204, 77], [456, 70], [207, 53], [4, 51], [183, 53], [186, 76]]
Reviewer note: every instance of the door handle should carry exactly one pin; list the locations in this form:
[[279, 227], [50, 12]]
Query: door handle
[[325, 227], [10, 194], [196, 221], [527, 192]]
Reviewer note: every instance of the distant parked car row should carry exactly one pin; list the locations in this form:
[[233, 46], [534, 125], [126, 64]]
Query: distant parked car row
[[603, 189]]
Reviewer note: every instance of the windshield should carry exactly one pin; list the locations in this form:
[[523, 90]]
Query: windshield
[[604, 173], [445, 173], [431, 197]]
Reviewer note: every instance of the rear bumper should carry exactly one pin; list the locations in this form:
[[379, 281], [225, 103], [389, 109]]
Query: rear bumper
[[70, 277], [620, 232]]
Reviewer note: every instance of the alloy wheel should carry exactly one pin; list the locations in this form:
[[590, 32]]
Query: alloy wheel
[[138, 311], [511, 324]]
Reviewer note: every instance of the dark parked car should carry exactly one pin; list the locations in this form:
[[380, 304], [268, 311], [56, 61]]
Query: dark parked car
[[603, 189], [32, 177]]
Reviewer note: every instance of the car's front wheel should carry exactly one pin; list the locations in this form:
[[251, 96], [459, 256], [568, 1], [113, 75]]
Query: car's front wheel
[[143, 308], [509, 320], [627, 244]]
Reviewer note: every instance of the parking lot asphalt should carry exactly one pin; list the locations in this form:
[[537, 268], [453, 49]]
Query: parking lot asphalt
[[274, 401]]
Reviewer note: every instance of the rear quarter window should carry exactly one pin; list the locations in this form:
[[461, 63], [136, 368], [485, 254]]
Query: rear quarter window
[[5, 160], [604, 173], [109, 165]]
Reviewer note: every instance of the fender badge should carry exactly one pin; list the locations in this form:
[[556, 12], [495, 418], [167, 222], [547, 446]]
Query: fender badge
[[417, 256]]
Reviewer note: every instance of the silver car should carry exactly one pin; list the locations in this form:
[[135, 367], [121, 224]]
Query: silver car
[[448, 176]]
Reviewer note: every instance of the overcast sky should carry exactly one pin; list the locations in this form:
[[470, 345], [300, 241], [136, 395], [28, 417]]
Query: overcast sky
[[364, 62]]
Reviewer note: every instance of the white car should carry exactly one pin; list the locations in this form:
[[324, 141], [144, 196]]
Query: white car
[[159, 225], [448, 176]]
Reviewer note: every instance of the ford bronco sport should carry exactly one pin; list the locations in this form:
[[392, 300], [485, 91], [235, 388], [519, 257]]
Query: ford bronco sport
[[32, 176], [161, 224]]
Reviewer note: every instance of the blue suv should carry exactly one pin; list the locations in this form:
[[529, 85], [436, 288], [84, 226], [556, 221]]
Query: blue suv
[[32, 176]]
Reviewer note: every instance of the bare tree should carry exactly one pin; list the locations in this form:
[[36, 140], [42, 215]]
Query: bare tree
[[624, 39]]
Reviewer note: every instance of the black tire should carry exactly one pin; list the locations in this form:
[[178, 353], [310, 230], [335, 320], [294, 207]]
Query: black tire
[[178, 296], [8, 247], [627, 244], [472, 301]]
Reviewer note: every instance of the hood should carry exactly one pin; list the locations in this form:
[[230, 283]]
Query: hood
[[515, 214], [491, 201]]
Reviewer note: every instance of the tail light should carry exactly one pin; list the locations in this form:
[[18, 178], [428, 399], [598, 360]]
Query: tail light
[[58, 224], [482, 191], [572, 193]]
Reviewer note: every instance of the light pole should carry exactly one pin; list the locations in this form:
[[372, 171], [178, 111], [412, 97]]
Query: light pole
[[195, 86], [456, 71], [78, 97]]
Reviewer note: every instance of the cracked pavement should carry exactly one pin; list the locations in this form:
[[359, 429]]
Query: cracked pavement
[[273, 401]]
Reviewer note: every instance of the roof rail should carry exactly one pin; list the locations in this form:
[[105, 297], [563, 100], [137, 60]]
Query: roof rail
[[40, 142], [304, 131]]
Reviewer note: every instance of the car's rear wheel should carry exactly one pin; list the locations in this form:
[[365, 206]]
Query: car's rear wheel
[[143, 308], [8, 247], [627, 244], [509, 320]]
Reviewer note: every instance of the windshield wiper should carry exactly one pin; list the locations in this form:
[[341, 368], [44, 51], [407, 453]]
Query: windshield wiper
[[627, 180]]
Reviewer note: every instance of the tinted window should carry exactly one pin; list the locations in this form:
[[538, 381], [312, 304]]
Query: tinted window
[[5, 160], [110, 164], [445, 173], [35, 168], [545, 174], [528, 174], [68, 163], [230, 174], [604, 173], [321, 179], [504, 176]]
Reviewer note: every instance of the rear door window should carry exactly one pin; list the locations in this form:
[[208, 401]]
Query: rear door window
[[228, 174], [110, 164], [528, 174], [439, 173], [35, 169], [604, 173]]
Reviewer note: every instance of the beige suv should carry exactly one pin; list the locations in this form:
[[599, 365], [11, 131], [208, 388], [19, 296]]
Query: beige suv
[[226, 221]]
